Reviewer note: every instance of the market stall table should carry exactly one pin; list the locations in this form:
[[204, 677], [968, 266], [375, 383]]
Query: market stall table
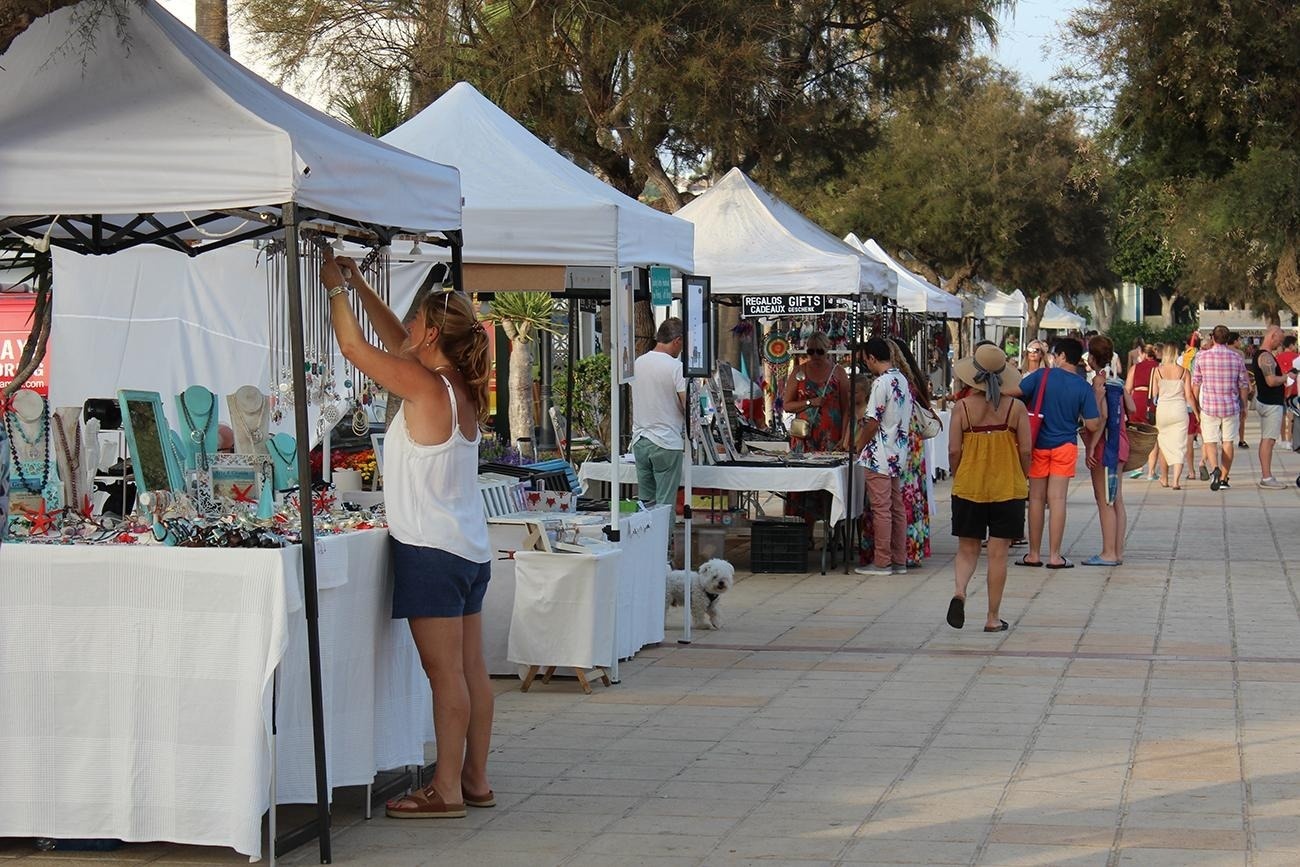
[[832, 478], [137, 684], [642, 581]]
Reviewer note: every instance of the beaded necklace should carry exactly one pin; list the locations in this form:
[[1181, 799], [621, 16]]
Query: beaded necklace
[[73, 457], [42, 439]]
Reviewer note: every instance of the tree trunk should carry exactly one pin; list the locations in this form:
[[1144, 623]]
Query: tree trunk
[[1037, 307], [644, 328], [521, 394], [1167, 309], [212, 22], [17, 15], [1107, 303], [728, 348], [1288, 272], [963, 275]]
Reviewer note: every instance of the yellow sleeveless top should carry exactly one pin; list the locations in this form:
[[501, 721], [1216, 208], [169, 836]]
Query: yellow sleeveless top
[[990, 469]]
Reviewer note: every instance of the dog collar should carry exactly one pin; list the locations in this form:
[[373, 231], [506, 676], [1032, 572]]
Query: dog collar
[[713, 597]]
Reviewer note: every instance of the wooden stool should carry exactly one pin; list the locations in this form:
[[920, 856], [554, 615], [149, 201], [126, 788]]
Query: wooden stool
[[578, 672]]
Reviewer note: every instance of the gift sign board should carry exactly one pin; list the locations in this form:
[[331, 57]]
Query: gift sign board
[[755, 306], [661, 287], [15, 329]]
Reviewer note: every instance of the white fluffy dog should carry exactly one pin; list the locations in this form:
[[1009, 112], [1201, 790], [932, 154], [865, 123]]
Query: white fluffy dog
[[707, 585]]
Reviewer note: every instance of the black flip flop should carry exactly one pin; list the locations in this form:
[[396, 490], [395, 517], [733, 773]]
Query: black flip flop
[[1002, 626], [957, 612], [1066, 564], [1023, 562]]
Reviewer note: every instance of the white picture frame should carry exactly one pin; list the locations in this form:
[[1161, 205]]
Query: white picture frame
[[377, 443], [626, 325]]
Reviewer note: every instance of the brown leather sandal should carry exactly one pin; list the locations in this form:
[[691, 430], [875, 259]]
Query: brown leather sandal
[[487, 799], [423, 804]]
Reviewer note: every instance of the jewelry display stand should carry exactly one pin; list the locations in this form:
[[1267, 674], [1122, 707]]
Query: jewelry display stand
[[284, 460], [196, 412], [77, 454], [250, 418], [33, 471]]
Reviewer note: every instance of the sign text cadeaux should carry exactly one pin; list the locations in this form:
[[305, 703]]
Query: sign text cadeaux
[[754, 306]]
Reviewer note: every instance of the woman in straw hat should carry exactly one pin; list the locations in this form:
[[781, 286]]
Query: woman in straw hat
[[988, 452]]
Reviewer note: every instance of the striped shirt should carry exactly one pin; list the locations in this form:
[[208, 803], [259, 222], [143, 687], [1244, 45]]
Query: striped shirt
[[1221, 374]]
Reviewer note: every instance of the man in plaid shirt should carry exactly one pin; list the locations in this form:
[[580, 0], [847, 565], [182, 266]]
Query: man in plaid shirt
[[1221, 388]]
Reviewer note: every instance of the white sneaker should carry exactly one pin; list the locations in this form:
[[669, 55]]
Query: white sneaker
[[874, 570], [1271, 482], [898, 569]]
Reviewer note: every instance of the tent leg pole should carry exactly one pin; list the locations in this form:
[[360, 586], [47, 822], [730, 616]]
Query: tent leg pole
[[688, 459], [568, 382], [298, 354]]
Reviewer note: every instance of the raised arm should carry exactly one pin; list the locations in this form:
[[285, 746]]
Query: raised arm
[[387, 324]]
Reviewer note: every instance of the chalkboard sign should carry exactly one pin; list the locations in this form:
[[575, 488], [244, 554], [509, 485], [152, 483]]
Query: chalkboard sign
[[755, 306]]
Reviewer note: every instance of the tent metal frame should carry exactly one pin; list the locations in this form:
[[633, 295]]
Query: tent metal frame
[[95, 235]]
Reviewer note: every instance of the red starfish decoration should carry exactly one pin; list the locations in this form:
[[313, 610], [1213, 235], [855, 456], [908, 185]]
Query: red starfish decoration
[[242, 495], [322, 501], [41, 520]]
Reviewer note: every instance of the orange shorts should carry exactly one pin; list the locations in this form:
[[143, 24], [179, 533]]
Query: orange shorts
[[1059, 461]]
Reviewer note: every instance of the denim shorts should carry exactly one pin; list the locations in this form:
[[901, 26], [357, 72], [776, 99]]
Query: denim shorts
[[431, 582]]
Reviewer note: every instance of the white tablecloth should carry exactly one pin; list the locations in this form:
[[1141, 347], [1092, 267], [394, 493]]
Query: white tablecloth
[[565, 607], [136, 685], [642, 571], [936, 449], [834, 480]]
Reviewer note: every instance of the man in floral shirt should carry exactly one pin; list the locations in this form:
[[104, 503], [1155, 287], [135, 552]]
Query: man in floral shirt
[[885, 431]]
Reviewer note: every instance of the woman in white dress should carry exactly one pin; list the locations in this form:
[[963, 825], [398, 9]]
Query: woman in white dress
[[1173, 400]]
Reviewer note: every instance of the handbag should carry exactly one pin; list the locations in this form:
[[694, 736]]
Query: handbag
[[801, 428], [1152, 395], [930, 425], [1036, 416]]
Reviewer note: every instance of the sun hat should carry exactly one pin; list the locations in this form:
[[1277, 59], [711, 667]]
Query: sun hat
[[987, 369]]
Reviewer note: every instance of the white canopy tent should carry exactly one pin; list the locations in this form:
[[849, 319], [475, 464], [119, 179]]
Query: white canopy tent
[[1058, 318], [749, 241], [915, 293], [156, 137], [525, 204]]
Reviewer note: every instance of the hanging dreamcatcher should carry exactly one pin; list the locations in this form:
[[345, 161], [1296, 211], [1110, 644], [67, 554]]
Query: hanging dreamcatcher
[[326, 385], [776, 348]]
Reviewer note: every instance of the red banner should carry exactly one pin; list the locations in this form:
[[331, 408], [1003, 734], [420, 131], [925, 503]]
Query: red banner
[[15, 328]]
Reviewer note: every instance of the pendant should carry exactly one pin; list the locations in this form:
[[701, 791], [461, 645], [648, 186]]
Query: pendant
[[196, 436]]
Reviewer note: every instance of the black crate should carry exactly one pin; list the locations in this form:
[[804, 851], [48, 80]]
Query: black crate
[[778, 545]]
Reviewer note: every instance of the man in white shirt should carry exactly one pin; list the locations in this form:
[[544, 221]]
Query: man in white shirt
[[884, 435], [658, 416]]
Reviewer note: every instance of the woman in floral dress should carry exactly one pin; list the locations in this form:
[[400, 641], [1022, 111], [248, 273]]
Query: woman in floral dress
[[915, 499]]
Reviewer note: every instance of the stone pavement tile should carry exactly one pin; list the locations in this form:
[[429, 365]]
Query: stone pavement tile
[[734, 792], [1271, 858], [725, 860], [781, 661], [1022, 855], [668, 842], [625, 859], [1153, 857], [593, 786], [710, 699], [1092, 836], [1138, 816], [874, 851], [594, 804], [847, 663], [862, 794], [776, 825], [730, 772], [1128, 669], [582, 823], [661, 806], [700, 826], [779, 849], [1278, 841]]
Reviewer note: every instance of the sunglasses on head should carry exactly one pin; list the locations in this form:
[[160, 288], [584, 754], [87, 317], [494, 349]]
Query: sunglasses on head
[[817, 352]]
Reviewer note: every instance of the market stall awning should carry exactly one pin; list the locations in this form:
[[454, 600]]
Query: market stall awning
[[1002, 305], [153, 120], [1058, 318], [751, 242], [915, 293], [525, 204]]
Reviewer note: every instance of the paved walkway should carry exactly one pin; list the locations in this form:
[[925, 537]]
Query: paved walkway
[[1146, 714]]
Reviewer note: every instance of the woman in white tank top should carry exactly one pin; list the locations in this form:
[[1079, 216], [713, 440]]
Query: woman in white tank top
[[439, 366]]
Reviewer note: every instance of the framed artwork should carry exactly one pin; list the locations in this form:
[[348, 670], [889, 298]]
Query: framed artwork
[[149, 439], [697, 348], [237, 486], [626, 325]]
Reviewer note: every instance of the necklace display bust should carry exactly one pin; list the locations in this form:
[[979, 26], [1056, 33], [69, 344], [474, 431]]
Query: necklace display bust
[[197, 417], [284, 460], [76, 450], [250, 418]]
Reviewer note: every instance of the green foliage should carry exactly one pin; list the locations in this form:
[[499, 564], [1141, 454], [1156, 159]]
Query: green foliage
[[1124, 333], [375, 107], [523, 314], [634, 89], [590, 410], [1205, 95], [981, 180]]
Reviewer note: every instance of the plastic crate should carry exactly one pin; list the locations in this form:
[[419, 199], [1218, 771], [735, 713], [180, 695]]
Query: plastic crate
[[778, 544]]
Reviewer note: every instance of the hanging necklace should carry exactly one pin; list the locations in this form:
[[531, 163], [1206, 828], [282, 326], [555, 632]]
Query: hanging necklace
[[74, 463], [199, 436], [27, 484], [288, 459]]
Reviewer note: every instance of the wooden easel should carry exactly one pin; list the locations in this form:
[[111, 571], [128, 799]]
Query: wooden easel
[[578, 672]]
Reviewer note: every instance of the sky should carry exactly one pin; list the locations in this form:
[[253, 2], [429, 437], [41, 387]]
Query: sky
[[1025, 32], [1034, 25]]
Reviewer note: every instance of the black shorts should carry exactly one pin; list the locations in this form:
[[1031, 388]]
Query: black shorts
[[1004, 520]]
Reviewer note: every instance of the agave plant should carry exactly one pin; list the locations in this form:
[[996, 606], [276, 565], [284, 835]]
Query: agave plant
[[522, 316]]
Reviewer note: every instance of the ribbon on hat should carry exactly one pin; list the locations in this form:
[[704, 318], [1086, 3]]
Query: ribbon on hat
[[991, 380]]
